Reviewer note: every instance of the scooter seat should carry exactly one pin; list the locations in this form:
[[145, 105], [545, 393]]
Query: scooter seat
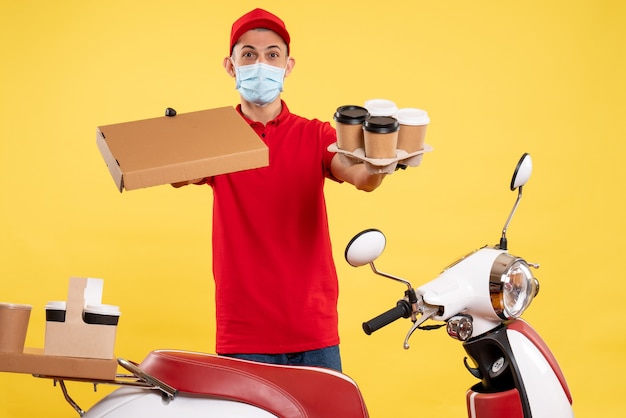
[[285, 391]]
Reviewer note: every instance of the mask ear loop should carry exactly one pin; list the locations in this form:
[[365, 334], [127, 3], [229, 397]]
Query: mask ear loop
[[236, 72], [282, 87], [232, 62]]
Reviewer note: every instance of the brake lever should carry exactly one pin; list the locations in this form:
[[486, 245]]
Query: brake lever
[[427, 313]]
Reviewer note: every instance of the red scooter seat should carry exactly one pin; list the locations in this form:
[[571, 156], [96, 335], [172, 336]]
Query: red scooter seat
[[285, 391]]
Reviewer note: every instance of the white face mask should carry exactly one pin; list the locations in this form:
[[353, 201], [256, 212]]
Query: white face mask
[[259, 83]]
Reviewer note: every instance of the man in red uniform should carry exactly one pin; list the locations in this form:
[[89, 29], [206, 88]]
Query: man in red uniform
[[276, 284]]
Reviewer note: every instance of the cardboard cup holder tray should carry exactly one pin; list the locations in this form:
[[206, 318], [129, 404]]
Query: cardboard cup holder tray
[[72, 348], [403, 159]]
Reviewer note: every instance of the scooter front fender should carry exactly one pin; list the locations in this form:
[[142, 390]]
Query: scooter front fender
[[520, 376], [544, 382]]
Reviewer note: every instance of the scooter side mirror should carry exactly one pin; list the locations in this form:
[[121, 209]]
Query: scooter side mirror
[[520, 178], [365, 247], [522, 171]]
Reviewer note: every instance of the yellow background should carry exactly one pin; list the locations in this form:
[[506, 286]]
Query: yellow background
[[498, 78]]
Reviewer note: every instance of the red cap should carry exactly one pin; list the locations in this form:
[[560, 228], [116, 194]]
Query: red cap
[[258, 18]]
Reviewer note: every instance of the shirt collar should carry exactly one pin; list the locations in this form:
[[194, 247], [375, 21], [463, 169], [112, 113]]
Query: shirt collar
[[284, 113]]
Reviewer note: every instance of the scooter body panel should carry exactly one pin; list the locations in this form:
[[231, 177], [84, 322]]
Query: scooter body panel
[[464, 286], [128, 402], [504, 404]]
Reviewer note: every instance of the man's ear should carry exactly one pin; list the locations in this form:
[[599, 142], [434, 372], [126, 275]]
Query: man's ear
[[229, 67], [290, 64]]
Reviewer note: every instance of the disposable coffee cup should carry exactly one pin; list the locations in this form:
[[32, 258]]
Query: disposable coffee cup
[[381, 136], [101, 314], [413, 124], [56, 311], [381, 107], [349, 125], [13, 327]]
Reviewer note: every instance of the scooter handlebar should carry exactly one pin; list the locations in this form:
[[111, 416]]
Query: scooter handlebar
[[401, 310]]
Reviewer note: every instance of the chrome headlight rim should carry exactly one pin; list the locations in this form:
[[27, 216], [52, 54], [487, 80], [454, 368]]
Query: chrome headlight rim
[[499, 280]]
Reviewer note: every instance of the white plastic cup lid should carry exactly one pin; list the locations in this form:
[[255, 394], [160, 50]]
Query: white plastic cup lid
[[412, 116], [381, 107], [56, 305], [112, 310]]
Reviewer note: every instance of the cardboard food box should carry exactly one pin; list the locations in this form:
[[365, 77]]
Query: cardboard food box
[[183, 147]]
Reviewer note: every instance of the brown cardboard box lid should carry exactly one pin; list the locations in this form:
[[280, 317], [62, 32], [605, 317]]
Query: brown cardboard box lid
[[187, 146]]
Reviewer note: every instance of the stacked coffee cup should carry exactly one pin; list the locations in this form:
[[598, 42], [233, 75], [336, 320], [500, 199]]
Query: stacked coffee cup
[[380, 128]]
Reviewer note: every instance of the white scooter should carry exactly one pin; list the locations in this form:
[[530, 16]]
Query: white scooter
[[479, 297]]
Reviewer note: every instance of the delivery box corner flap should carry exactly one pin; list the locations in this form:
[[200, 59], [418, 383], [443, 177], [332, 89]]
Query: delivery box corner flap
[[111, 162]]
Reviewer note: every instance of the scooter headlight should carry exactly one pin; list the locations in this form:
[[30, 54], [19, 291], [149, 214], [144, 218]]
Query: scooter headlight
[[512, 286]]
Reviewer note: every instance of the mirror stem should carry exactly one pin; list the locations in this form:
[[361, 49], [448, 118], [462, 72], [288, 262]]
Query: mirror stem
[[389, 276], [503, 241]]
